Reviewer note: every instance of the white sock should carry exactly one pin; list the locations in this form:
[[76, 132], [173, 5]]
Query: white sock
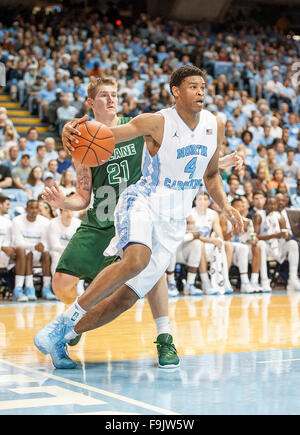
[[19, 280], [80, 287], [163, 325], [244, 278], [28, 281], [71, 335], [75, 312], [254, 278], [46, 280], [191, 278], [171, 278], [205, 278]]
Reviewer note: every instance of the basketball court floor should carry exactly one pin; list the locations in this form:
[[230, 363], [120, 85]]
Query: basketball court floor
[[239, 355]]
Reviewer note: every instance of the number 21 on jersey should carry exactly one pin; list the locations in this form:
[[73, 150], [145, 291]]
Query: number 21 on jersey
[[118, 172]]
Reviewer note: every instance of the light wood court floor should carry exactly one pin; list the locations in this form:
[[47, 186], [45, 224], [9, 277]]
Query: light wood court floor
[[206, 331]]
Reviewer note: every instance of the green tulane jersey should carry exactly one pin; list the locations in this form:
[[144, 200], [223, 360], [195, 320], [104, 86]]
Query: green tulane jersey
[[112, 178]]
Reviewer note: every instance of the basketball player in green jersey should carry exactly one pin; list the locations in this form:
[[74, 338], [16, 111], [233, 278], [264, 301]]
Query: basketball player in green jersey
[[83, 257]]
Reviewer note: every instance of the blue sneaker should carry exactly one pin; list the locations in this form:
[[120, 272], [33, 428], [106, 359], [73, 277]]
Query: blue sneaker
[[229, 291], [30, 293], [60, 357], [172, 290], [53, 333], [18, 295], [47, 293]]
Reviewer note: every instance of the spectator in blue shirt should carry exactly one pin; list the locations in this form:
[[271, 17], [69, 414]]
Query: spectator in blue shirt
[[247, 137], [266, 139], [239, 120], [44, 98], [287, 139], [32, 142], [232, 140], [62, 161], [279, 147]]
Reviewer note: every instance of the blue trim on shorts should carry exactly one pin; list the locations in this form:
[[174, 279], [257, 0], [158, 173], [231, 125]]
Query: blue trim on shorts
[[135, 290]]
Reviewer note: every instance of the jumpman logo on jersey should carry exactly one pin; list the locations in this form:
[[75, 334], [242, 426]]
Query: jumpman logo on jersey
[[175, 134]]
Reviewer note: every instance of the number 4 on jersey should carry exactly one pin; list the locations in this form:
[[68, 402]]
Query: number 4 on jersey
[[191, 167]]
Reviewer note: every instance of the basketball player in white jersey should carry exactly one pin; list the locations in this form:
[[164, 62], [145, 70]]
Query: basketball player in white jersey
[[257, 251], [29, 231], [270, 226], [150, 218], [11, 256], [198, 248], [60, 232]]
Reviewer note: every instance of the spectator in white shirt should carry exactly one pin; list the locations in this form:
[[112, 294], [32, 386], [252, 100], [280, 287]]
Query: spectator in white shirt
[[50, 148], [275, 130]]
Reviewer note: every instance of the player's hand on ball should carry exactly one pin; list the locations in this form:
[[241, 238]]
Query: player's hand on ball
[[54, 196], [235, 218], [69, 132]]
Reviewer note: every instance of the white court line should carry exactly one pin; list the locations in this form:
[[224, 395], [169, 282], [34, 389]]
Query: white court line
[[278, 360], [94, 389]]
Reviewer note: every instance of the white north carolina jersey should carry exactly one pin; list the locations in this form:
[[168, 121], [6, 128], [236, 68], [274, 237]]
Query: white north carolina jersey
[[203, 223], [173, 176], [27, 234], [5, 231], [59, 235]]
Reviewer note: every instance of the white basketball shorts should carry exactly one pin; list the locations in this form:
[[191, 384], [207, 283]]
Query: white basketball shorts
[[135, 222]]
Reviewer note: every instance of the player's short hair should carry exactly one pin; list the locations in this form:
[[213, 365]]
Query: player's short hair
[[3, 199], [94, 85], [183, 72]]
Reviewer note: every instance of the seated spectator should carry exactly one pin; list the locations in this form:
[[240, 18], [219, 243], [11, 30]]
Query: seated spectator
[[279, 147], [34, 185], [32, 94], [247, 137], [260, 155], [51, 153], [52, 168], [260, 182], [5, 177], [295, 197], [44, 98], [239, 120], [32, 141], [13, 160], [40, 159], [232, 140], [293, 125], [22, 142], [63, 162], [275, 130], [266, 139], [29, 231], [234, 188], [9, 139], [289, 141], [274, 182], [282, 188], [67, 183], [274, 90], [290, 168], [257, 131], [271, 159], [21, 173], [268, 225], [46, 210], [65, 112]]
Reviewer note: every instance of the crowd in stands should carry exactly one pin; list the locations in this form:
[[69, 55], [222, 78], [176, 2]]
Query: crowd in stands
[[252, 85]]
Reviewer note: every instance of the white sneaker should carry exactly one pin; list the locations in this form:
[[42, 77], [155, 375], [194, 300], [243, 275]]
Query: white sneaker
[[247, 288], [256, 287], [172, 290], [208, 290], [190, 289], [265, 286], [293, 284]]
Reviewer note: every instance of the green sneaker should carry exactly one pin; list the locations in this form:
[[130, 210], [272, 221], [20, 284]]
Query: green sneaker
[[167, 354], [75, 340]]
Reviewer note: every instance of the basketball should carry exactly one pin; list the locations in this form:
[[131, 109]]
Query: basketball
[[95, 145]]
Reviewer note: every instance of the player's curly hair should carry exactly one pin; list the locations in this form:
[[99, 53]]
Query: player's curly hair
[[185, 71]]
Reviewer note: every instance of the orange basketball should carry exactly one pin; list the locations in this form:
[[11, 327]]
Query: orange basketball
[[95, 145]]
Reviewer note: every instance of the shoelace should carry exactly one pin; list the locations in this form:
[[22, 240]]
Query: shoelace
[[62, 350], [166, 349]]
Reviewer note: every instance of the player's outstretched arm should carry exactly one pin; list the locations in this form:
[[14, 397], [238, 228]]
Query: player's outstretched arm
[[146, 124], [214, 185], [80, 200], [231, 160]]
